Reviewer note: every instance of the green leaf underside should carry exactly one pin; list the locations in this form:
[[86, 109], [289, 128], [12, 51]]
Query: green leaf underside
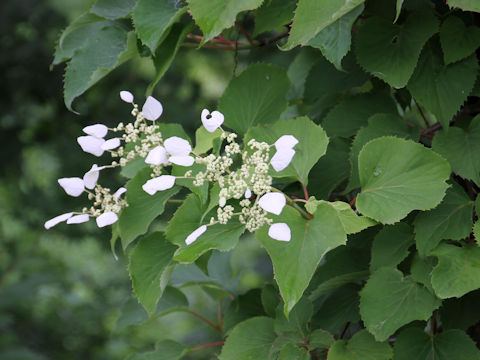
[[452, 219], [391, 51], [147, 263], [465, 5], [112, 9], [362, 346], [334, 41], [457, 271], [164, 350], [312, 16], [214, 16], [312, 145], [273, 14], [416, 344], [153, 18], [461, 149], [142, 208], [388, 301], [251, 339], [442, 89], [458, 41], [256, 96], [398, 176], [295, 262]]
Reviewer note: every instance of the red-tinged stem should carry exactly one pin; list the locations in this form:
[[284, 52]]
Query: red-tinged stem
[[305, 192], [245, 33], [216, 327], [221, 39], [300, 200], [353, 201], [216, 343], [211, 46], [219, 315]]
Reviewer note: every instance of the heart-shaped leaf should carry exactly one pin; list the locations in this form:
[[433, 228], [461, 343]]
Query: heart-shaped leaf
[[457, 40]]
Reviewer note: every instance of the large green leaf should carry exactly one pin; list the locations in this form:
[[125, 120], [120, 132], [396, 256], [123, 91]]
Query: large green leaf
[[295, 262], [255, 97], [460, 148], [416, 344], [147, 263], [251, 339], [292, 351], [214, 16], [461, 313], [299, 70], [312, 145], [398, 176], [113, 9], [142, 207], [362, 346], [153, 19], [104, 50], [466, 5], [312, 16], [457, 40], [442, 89], [457, 271], [164, 350], [334, 40], [388, 301], [390, 51], [273, 14], [298, 319], [452, 219]]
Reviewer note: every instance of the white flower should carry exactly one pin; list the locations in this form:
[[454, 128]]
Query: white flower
[[177, 146], [212, 121], [126, 96], [91, 176], [280, 232], [152, 109], [272, 202], [157, 156], [248, 193], [97, 130], [195, 235], [286, 142], [78, 219], [282, 159], [182, 160], [119, 193], [91, 144], [57, 220], [111, 144], [73, 186], [160, 183], [107, 218]]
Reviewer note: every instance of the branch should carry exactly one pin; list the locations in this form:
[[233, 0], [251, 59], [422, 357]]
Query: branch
[[216, 343], [245, 33], [216, 327]]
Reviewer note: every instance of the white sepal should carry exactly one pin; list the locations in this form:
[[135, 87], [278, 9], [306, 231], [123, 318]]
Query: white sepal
[[119, 193], [213, 122], [126, 96], [73, 186], [107, 218], [286, 142], [272, 202], [182, 160], [160, 183], [152, 109], [195, 235], [157, 156], [280, 232], [57, 220], [282, 159], [177, 146], [91, 176], [97, 130], [91, 144], [111, 144], [248, 193], [78, 219]]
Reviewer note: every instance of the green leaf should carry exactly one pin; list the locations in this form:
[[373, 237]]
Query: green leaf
[[214, 16], [398, 176], [105, 50], [457, 40], [270, 299], [415, 344], [391, 245], [147, 263], [298, 318], [460, 148], [421, 270], [251, 339], [465, 5], [273, 14], [320, 339], [457, 271], [242, 308], [442, 89], [293, 352], [334, 40], [187, 218], [113, 9], [298, 71], [312, 16], [255, 97], [295, 262], [476, 231], [461, 313], [164, 350], [398, 9], [313, 142], [153, 18], [389, 51], [362, 346], [204, 139], [142, 208], [352, 113], [388, 301], [133, 167], [452, 219]]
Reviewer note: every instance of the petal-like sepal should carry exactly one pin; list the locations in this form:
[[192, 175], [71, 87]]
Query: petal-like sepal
[[160, 183], [286, 142], [73, 186], [91, 144], [119, 193], [152, 109], [282, 159], [126, 96], [248, 193], [195, 235], [182, 160], [97, 130], [213, 121], [78, 219], [91, 176], [157, 156], [111, 144], [272, 202], [106, 219], [57, 220], [280, 232], [177, 146]]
